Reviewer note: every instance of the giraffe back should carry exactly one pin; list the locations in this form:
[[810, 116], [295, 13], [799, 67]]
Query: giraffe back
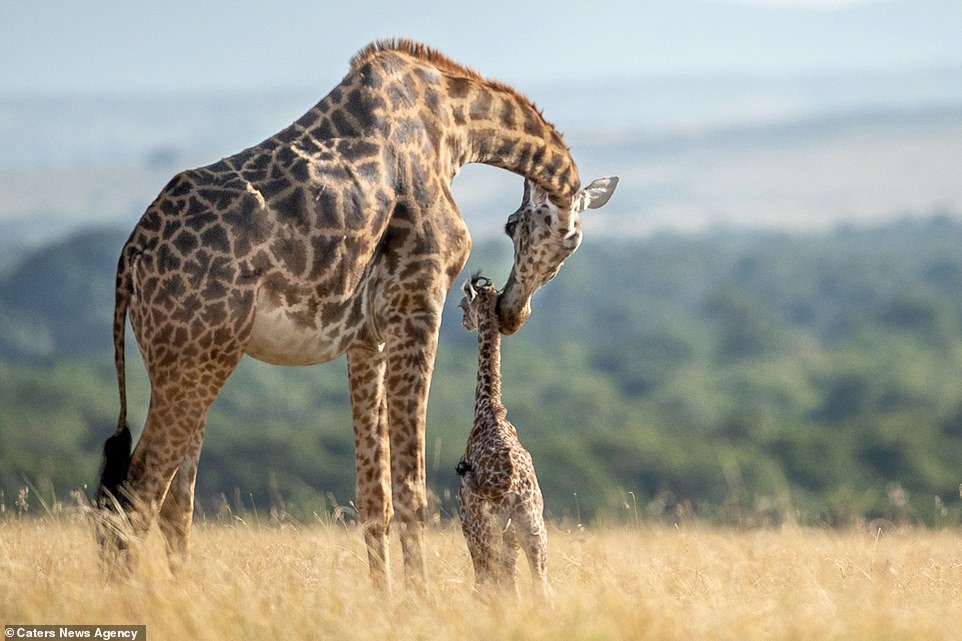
[[291, 241]]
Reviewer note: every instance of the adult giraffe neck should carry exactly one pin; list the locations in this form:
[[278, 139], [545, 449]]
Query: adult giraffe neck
[[499, 127], [468, 118]]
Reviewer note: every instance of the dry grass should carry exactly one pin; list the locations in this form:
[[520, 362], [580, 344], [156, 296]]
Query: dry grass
[[653, 582]]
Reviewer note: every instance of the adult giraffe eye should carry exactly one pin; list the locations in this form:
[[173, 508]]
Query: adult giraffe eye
[[510, 227]]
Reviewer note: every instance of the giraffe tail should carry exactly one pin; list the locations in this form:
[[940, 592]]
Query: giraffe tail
[[116, 461]]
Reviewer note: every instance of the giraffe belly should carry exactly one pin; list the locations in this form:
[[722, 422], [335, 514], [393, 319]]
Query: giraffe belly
[[279, 339]]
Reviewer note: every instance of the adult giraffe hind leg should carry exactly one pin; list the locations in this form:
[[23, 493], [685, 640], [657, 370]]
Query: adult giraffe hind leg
[[169, 447], [187, 368], [177, 511]]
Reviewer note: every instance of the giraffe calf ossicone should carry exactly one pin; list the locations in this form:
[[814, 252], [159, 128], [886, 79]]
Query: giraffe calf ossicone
[[500, 501]]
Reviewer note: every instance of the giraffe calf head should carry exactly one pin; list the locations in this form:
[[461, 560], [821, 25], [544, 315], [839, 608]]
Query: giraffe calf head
[[480, 297], [544, 235]]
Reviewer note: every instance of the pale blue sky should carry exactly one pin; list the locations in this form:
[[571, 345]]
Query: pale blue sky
[[131, 46]]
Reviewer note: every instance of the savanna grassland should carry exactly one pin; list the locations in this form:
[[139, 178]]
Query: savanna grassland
[[688, 581], [727, 415]]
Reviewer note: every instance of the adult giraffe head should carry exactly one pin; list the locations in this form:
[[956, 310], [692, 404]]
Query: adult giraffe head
[[544, 235]]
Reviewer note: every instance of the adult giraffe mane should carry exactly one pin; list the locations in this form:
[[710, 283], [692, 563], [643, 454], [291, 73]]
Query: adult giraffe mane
[[442, 63]]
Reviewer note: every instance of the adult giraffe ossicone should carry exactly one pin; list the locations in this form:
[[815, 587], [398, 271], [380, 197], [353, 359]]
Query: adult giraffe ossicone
[[337, 235]]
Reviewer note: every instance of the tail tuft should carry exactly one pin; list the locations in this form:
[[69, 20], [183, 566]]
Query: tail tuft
[[115, 467]]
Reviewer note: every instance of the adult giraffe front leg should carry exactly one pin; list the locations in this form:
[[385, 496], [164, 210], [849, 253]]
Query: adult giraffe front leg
[[410, 344], [371, 457]]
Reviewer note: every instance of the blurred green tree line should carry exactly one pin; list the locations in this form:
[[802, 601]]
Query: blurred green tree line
[[738, 377]]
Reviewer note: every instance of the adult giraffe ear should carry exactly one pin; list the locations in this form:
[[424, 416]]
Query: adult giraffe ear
[[598, 192]]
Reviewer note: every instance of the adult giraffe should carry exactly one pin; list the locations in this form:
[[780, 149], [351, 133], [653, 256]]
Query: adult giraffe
[[338, 235]]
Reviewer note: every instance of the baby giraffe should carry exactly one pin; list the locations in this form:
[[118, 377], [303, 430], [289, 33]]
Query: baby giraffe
[[500, 501]]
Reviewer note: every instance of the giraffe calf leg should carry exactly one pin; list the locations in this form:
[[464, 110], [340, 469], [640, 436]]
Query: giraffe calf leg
[[481, 559], [483, 539], [507, 572], [536, 550]]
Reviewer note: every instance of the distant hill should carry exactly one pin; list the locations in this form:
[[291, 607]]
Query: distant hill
[[743, 377], [57, 302]]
